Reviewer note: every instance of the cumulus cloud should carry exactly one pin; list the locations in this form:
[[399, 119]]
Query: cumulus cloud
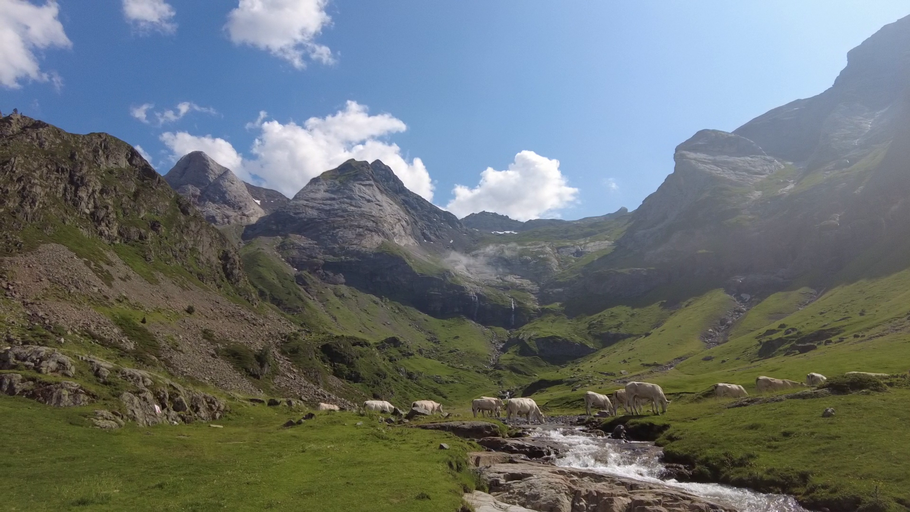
[[141, 112], [532, 186], [220, 150], [24, 29], [285, 28], [144, 153], [286, 156], [611, 185], [289, 155], [149, 15]]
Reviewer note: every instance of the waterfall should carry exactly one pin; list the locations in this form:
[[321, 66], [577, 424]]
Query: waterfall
[[512, 322], [476, 304]]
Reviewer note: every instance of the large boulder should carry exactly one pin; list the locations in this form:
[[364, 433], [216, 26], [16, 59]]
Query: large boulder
[[466, 429], [57, 394]]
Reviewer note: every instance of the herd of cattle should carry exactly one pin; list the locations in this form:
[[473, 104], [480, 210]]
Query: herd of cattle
[[632, 398]]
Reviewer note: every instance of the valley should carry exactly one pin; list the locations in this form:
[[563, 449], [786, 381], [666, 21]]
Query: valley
[[148, 322]]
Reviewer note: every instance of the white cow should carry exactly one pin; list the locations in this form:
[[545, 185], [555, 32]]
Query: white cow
[[487, 403], [381, 406], [646, 392], [723, 390], [327, 407], [764, 384], [876, 375], [620, 398], [526, 407], [815, 379], [429, 405], [600, 402]]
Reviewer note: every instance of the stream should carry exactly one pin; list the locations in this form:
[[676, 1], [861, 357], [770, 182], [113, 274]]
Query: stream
[[623, 459]]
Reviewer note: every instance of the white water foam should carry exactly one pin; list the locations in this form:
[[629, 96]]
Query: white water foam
[[598, 455]]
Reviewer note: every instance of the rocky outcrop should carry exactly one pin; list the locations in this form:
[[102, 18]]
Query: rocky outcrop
[[40, 359], [465, 429], [56, 394], [65, 185], [490, 222], [216, 191], [547, 488]]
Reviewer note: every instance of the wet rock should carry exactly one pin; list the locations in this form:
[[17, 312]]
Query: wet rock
[[554, 489], [483, 502], [466, 429], [40, 359], [531, 448]]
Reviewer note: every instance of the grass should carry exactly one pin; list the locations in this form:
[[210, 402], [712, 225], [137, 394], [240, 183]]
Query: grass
[[329, 463], [840, 462]]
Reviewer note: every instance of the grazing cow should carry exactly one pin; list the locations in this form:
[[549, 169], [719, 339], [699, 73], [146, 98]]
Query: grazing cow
[[620, 398], [526, 407], [327, 407], [764, 384], [815, 379], [428, 405], [646, 392], [876, 375], [382, 407], [488, 404], [600, 402], [722, 390]]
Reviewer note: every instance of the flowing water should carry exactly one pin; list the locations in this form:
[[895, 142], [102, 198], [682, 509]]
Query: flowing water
[[618, 459]]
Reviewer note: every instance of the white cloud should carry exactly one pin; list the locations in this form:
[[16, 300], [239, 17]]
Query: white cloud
[[611, 185], [150, 15], [285, 28], [287, 156], [169, 115], [141, 112], [25, 28], [220, 150], [144, 154], [532, 186]]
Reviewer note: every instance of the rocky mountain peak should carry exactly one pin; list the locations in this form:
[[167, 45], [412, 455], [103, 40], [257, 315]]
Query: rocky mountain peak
[[359, 206], [216, 191], [878, 70]]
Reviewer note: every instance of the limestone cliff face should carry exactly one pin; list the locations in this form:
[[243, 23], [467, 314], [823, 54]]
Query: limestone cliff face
[[267, 199], [856, 112], [803, 190], [216, 191], [359, 206]]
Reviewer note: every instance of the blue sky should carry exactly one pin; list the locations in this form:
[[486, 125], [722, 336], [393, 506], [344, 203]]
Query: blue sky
[[532, 108]]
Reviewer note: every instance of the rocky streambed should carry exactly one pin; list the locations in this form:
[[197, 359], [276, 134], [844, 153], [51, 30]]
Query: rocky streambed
[[565, 469]]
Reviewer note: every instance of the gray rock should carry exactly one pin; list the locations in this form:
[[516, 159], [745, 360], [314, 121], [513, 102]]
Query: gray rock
[[828, 412], [274, 402], [40, 359], [417, 412], [289, 423], [216, 191], [443, 446], [465, 429], [57, 394], [107, 420]]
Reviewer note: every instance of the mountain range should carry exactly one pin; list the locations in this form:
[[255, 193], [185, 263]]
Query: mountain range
[[359, 287]]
